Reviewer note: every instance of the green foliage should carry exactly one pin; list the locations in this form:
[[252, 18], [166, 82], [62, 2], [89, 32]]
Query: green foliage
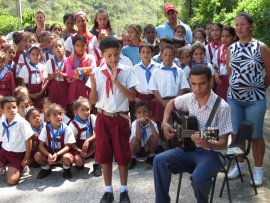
[[28, 19], [8, 23]]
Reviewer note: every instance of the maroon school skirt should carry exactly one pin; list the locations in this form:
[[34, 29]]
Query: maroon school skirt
[[77, 89], [222, 89], [58, 92]]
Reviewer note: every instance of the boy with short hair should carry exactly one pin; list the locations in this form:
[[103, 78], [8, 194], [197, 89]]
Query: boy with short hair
[[144, 134], [167, 82], [164, 41], [149, 33], [112, 87], [17, 142]]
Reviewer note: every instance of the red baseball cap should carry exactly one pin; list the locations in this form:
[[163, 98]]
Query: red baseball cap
[[168, 7]]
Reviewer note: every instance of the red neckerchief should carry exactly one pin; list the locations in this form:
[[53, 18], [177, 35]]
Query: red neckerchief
[[98, 29], [218, 45], [186, 42], [80, 59], [139, 44], [109, 83], [223, 55], [87, 35]]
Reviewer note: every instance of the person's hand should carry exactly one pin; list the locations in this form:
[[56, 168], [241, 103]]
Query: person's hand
[[154, 100], [25, 162], [93, 80], [143, 120], [114, 73], [168, 131], [216, 77], [83, 154], [197, 139], [35, 136], [164, 102], [50, 159], [85, 146]]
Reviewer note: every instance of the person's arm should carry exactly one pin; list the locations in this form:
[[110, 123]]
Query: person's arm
[[229, 70], [159, 98], [25, 161], [93, 97], [265, 54], [167, 129], [182, 91], [154, 130]]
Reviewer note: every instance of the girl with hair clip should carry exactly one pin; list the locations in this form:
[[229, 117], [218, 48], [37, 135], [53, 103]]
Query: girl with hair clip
[[102, 21], [81, 20]]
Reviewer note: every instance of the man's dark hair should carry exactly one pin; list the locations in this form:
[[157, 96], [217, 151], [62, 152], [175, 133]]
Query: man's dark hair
[[108, 42], [146, 44], [168, 46], [140, 104], [7, 99], [166, 39], [201, 70]]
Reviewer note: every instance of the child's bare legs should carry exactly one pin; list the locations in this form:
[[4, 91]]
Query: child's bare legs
[[123, 171], [92, 150], [135, 146], [107, 173], [35, 144], [13, 175], [41, 159], [66, 159], [151, 145], [78, 160]]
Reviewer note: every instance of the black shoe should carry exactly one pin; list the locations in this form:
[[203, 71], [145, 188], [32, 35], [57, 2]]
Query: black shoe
[[35, 165], [150, 160], [132, 164], [97, 170], [44, 173], [67, 174], [124, 198], [107, 197], [80, 167]]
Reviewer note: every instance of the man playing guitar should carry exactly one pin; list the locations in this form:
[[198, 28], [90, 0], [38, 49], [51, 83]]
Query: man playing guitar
[[208, 157]]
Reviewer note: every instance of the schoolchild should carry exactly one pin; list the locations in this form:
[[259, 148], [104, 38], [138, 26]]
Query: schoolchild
[[91, 40], [180, 31], [198, 56], [42, 41], [149, 33], [19, 91], [178, 43], [112, 87], [199, 35], [68, 20], [125, 38], [144, 134], [48, 54], [28, 41], [123, 59], [216, 42], [132, 49], [54, 145], [228, 36], [7, 85], [23, 102], [3, 41], [10, 52], [79, 67], [17, 142], [102, 21], [55, 73], [18, 40], [57, 29], [83, 128], [144, 71], [32, 76], [185, 59], [167, 82], [96, 52], [208, 32]]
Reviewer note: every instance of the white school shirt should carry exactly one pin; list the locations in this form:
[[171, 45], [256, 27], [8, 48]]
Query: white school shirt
[[94, 53], [45, 59], [186, 71], [140, 73], [148, 131], [48, 70], [24, 74], [21, 59], [69, 137], [83, 134], [208, 58], [164, 82], [222, 69], [92, 45], [18, 134], [116, 102]]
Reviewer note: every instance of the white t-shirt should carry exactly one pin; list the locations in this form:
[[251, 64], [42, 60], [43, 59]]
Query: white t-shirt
[[21, 59], [18, 134], [222, 68], [45, 58]]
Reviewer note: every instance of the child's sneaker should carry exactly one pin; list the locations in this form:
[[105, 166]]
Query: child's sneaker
[[235, 173], [124, 198], [44, 173], [258, 178], [26, 171], [67, 174], [2, 171], [132, 164], [97, 170]]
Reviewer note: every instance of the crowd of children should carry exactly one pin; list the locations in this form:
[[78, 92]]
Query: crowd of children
[[49, 86]]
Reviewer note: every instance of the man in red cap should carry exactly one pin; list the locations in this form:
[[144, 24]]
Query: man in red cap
[[168, 27]]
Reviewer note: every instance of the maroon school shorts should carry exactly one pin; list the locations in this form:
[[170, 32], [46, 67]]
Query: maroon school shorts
[[112, 138], [149, 99], [14, 159]]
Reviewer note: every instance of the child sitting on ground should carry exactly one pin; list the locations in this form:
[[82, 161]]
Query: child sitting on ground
[[144, 134]]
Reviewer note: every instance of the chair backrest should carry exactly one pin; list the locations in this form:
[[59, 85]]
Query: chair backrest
[[244, 133]]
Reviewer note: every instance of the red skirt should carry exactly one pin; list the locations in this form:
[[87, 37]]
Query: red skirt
[[222, 89], [77, 89], [59, 92], [35, 88], [149, 99]]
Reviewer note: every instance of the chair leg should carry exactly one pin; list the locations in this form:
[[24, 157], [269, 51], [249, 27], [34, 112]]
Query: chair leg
[[228, 186], [240, 174], [179, 186], [251, 175], [223, 184], [213, 188]]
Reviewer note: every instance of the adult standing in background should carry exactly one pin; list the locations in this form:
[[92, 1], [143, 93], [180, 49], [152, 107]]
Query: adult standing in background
[[69, 22], [168, 27], [40, 19], [246, 60]]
